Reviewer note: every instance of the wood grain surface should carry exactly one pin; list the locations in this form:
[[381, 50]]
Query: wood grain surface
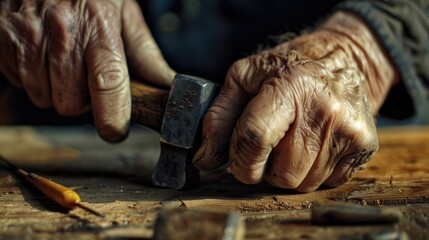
[[114, 179]]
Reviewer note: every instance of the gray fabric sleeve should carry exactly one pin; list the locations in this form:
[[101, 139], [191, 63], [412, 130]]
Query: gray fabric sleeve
[[403, 28]]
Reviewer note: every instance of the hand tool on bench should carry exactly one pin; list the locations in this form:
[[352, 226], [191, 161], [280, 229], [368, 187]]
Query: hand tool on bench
[[177, 115], [65, 197], [343, 213], [184, 223]]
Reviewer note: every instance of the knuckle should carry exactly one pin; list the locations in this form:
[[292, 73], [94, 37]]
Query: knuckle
[[252, 136], [215, 113], [237, 71], [103, 8], [356, 140], [61, 32], [238, 66], [58, 18], [55, 14], [102, 13], [246, 74], [349, 80], [109, 77]]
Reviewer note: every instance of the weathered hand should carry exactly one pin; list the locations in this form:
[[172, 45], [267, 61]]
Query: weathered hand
[[72, 55], [300, 114]]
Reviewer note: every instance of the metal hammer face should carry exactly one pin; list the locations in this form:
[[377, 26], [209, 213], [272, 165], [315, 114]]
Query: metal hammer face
[[188, 101]]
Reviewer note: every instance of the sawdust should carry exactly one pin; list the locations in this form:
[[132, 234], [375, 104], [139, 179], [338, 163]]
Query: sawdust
[[268, 212]]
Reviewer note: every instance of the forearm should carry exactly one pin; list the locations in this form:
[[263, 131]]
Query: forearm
[[378, 72], [402, 26]]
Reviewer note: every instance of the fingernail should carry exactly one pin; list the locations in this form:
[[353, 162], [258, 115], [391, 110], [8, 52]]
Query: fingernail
[[210, 156], [198, 159]]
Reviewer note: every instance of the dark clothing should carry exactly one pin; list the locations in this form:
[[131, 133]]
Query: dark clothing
[[403, 28], [212, 34], [204, 37]]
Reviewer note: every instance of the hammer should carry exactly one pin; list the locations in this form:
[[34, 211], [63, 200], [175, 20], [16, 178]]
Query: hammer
[[177, 115]]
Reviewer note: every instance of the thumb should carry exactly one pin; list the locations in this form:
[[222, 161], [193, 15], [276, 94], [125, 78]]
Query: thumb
[[144, 56]]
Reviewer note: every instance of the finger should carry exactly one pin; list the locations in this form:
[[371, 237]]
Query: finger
[[344, 170], [347, 167], [218, 125], [332, 125], [355, 158], [67, 75], [220, 119], [34, 76], [262, 125], [323, 164], [144, 55], [7, 48], [359, 133], [293, 157], [27, 52], [243, 81], [108, 81]]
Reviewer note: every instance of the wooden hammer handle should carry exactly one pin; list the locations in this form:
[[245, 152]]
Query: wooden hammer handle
[[148, 104]]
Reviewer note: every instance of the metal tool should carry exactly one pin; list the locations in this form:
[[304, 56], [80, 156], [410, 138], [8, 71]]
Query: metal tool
[[185, 223], [177, 114], [64, 196], [387, 235], [335, 213]]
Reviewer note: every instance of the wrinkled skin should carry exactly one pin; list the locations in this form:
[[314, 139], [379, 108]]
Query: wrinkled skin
[[73, 56], [301, 114], [298, 115]]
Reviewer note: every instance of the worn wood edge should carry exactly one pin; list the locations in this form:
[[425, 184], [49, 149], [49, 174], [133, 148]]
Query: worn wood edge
[[148, 105]]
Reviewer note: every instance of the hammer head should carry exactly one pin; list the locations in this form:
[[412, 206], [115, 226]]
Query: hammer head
[[188, 101]]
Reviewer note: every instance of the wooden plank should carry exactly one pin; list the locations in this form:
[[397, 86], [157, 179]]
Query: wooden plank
[[397, 178]]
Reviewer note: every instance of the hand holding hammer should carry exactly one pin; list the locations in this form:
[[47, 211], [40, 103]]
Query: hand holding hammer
[[177, 115]]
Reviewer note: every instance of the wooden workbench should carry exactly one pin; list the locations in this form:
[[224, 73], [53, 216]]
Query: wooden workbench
[[114, 179]]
